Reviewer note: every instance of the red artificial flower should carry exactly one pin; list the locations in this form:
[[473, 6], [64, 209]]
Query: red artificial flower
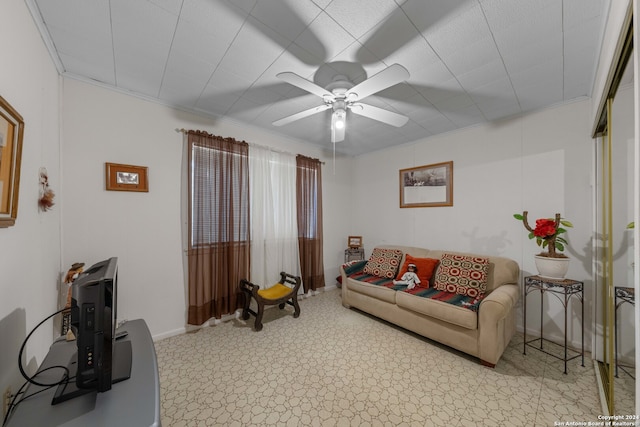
[[545, 228]]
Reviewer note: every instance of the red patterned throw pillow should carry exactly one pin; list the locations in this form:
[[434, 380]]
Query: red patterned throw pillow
[[460, 274], [425, 268], [383, 262]]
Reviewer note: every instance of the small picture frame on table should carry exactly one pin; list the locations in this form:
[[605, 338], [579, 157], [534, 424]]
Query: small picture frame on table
[[355, 242]]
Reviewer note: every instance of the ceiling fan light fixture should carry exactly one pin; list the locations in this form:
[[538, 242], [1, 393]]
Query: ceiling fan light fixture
[[338, 124], [339, 117]]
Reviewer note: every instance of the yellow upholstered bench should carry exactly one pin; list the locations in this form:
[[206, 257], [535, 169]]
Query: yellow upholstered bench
[[283, 292]]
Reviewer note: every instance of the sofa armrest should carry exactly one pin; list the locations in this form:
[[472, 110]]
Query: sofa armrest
[[497, 305], [345, 270], [496, 322]]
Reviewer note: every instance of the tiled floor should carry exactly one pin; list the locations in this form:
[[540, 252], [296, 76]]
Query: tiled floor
[[339, 367]]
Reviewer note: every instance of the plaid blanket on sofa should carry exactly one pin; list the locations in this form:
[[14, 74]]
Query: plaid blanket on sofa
[[354, 271]]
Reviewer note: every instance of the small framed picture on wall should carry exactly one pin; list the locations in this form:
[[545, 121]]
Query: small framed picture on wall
[[126, 177]]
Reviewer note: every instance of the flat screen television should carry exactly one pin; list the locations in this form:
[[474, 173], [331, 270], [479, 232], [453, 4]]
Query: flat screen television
[[100, 360]]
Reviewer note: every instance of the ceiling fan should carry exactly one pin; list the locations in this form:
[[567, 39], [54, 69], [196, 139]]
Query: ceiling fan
[[341, 96]]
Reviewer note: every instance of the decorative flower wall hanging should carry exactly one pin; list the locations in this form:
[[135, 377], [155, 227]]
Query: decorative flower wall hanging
[[45, 201]]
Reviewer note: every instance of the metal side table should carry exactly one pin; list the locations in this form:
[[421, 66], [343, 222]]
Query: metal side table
[[622, 295], [563, 289], [353, 254]]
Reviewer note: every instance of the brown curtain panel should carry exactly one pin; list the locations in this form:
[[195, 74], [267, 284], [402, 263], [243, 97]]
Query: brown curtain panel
[[309, 199], [219, 251]]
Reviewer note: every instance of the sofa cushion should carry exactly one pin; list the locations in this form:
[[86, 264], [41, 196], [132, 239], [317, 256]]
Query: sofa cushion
[[383, 262], [425, 268], [442, 310], [378, 291], [462, 274]]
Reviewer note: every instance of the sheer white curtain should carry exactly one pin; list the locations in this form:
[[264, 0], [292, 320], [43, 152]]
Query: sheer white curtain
[[274, 230]]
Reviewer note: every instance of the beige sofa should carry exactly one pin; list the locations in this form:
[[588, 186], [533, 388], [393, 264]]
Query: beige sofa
[[484, 333]]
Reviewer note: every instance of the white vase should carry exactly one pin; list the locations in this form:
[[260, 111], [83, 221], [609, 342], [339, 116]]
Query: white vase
[[552, 268]]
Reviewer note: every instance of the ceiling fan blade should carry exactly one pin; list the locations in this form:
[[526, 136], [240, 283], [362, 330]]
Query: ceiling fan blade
[[302, 83], [301, 115], [379, 114], [388, 77]]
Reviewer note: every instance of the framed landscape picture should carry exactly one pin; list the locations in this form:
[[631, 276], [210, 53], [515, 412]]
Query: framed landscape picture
[[126, 177], [427, 186]]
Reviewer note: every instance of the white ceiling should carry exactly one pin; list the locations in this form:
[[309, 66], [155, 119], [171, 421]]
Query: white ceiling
[[470, 61]]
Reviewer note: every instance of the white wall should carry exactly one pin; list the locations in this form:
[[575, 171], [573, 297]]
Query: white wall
[[540, 162], [30, 250], [144, 230]]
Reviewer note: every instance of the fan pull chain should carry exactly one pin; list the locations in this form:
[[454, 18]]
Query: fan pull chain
[[334, 158]]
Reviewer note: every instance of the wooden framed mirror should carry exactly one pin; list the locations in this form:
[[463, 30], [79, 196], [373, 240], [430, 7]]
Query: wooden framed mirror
[[11, 134]]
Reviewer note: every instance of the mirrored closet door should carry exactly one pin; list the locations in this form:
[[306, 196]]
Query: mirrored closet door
[[615, 346]]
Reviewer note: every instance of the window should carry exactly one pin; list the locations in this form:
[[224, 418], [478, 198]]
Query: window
[[308, 228], [219, 196]]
